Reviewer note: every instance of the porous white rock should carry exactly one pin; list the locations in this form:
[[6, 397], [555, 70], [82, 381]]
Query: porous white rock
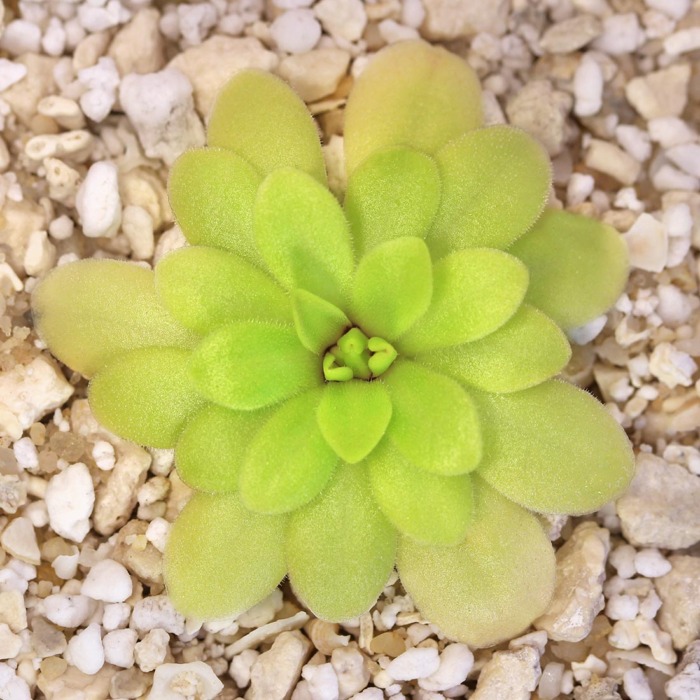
[[621, 34], [578, 594], [414, 663], [651, 563], [10, 643], [622, 607], [635, 141], [181, 681], [85, 650], [98, 202], [12, 609], [21, 36], [647, 243], [685, 685], [119, 647], [571, 34], [456, 662], [241, 665], [351, 669], [115, 616], [659, 508], [677, 9], [103, 454], [550, 684], [663, 93], [70, 496], [12, 686], [26, 453], [67, 610], [679, 591], [588, 87], [157, 533], [10, 73], [344, 19], [96, 17], [108, 581], [262, 613], [40, 255], [151, 651], [670, 131], [275, 672], [296, 31], [18, 539], [686, 157], [509, 674], [161, 108], [454, 19], [157, 612], [321, 681], [683, 41], [137, 226], [671, 366], [66, 565], [100, 82]]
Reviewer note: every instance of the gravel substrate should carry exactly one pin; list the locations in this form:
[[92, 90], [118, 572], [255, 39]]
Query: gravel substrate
[[97, 99]]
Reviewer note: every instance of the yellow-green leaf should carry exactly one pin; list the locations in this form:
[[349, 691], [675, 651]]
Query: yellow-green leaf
[[260, 118], [319, 324], [495, 182], [554, 449], [414, 95], [490, 587], [90, 311]]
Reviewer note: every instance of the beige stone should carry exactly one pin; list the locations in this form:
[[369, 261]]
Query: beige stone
[[571, 34], [275, 673], [454, 19], [138, 46], [680, 592], [315, 74], [24, 96], [663, 93], [509, 674]]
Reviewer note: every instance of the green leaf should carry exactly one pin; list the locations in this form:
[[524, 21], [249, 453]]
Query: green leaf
[[435, 423], [251, 365], [259, 117], [495, 184], [221, 559], [578, 266], [527, 350], [353, 417], [303, 236], [554, 449], [145, 395], [475, 291], [212, 193], [394, 193], [212, 446], [319, 324], [203, 288], [490, 587], [340, 548], [393, 287], [426, 507], [414, 95], [288, 462], [89, 312]]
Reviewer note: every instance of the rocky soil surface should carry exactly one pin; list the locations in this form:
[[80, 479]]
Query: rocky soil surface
[[97, 99]]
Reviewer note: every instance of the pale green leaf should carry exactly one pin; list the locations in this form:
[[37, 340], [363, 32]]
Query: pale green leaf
[[393, 287], [394, 193], [490, 587], [414, 95], [251, 365], [578, 266], [89, 312], [426, 507], [353, 417], [435, 423], [145, 395], [221, 559], [495, 182], [527, 350], [340, 548], [288, 462], [212, 193], [319, 324], [203, 288], [554, 449], [303, 236], [475, 291], [259, 117], [212, 446]]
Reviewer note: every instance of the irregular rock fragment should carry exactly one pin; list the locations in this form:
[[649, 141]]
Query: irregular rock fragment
[[86, 651], [315, 74], [342, 18], [660, 508], [578, 594], [679, 591], [179, 681], [453, 19], [414, 663], [609, 159], [98, 201], [509, 674], [157, 612], [107, 581], [456, 661], [663, 93], [351, 668], [138, 46], [275, 672], [18, 539], [685, 685], [571, 34], [70, 496]]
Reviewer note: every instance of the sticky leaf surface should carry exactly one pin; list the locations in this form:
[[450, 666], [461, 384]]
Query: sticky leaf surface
[[319, 323]]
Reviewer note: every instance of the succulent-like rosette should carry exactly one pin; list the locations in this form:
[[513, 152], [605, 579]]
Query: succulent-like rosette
[[355, 387]]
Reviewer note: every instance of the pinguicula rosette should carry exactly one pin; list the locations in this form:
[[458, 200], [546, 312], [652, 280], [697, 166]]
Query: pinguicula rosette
[[354, 387]]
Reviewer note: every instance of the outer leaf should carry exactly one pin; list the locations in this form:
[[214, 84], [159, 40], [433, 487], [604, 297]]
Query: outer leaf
[[249, 365], [211, 448], [319, 324], [145, 395], [203, 288], [529, 349], [260, 118], [212, 193], [578, 266], [393, 287], [340, 548], [554, 449], [425, 507], [353, 417], [495, 184], [475, 291], [412, 94], [491, 586], [303, 235], [288, 462], [221, 559], [435, 423], [394, 193], [90, 311]]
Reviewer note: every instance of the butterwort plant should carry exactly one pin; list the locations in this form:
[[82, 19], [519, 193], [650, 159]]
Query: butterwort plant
[[355, 387]]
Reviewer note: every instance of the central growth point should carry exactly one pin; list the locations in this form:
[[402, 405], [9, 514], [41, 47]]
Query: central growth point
[[355, 356]]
